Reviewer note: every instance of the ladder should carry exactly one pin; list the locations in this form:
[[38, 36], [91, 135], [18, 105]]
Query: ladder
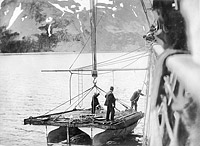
[[80, 87]]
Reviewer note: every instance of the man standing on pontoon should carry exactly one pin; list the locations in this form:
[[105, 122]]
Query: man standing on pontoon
[[135, 97], [95, 102], [110, 103]]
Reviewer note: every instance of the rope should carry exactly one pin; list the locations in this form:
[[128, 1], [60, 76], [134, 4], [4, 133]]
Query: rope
[[113, 75], [80, 52], [108, 62], [124, 66], [123, 104], [84, 44], [79, 99], [126, 106], [85, 96], [113, 58], [121, 60], [70, 86], [117, 109], [145, 12], [117, 58], [90, 89], [117, 62], [144, 80], [100, 89], [64, 102], [134, 61]]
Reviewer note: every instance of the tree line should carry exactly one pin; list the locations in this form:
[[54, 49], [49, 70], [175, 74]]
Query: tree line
[[11, 42]]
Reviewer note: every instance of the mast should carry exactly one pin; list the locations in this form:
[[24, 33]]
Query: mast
[[93, 37]]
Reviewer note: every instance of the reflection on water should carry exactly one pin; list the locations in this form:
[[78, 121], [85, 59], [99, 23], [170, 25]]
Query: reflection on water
[[26, 91]]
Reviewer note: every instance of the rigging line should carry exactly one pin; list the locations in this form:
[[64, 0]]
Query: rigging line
[[145, 12], [113, 76], [98, 90], [119, 61], [128, 58], [76, 102], [85, 95], [135, 61], [111, 63], [146, 74], [114, 57], [117, 109], [122, 99], [123, 104], [49, 115], [122, 67], [131, 63], [85, 44], [115, 62], [70, 86], [108, 70], [101, 89], [80, 52], [126, 106], [65, 102], [132, 57], [144, 80], [90, 89]]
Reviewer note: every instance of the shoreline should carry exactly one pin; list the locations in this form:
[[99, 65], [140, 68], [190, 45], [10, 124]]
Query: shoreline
[[60, 53]]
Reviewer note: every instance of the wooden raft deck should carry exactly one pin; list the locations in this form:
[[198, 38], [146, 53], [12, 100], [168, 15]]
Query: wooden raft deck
[[84, 118]]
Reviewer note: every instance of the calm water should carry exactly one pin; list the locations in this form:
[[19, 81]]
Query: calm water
[[26, 91]]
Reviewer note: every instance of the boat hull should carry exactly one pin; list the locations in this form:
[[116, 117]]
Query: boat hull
[[103, 137], [76, 136]]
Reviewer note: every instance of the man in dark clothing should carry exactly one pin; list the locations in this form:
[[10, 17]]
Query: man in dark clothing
[[135, 97], [95, 102], [110, 103]]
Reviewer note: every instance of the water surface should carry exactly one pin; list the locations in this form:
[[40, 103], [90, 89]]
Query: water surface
[[26, 91]]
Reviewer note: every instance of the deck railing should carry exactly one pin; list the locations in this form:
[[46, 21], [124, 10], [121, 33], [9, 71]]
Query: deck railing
[[173, 108]]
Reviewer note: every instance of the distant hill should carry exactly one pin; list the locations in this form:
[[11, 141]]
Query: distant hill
[[64, 26]]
